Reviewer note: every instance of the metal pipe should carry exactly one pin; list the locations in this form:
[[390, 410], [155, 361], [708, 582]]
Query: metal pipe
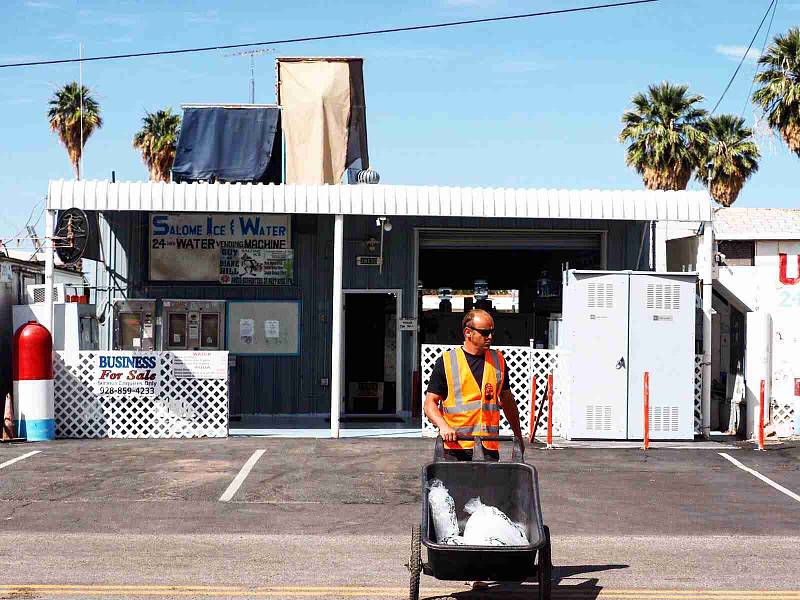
[[336, 324], [646, 439], [550, 410], [761, 417]]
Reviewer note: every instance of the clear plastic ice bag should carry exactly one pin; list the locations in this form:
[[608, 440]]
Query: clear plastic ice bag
[[489, 526], [443, 511]]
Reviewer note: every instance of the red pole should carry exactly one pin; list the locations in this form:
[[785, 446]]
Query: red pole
[[761, 417], [646, 442], [550, 409], [533, 411]]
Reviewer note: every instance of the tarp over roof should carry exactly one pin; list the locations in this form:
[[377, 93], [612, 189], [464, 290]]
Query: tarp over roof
[[220, 143], [389, 200]]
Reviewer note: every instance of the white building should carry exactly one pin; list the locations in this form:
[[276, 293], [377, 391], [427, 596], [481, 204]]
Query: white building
[[756, 306]]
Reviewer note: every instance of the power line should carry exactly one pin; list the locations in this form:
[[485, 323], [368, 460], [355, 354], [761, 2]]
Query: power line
[[744, 56], [329, 37], [763, 48]]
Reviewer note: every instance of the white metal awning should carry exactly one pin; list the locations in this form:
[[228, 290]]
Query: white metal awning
[[389, 200]]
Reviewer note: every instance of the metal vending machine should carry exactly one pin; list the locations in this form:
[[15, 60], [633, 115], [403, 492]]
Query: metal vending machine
[[616, 326], [192, 324], [134, 325]]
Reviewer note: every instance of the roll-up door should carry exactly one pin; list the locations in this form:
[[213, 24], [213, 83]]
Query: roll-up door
[[479, 239]]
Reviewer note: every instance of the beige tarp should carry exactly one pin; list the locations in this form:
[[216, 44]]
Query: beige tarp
[[322, 102]]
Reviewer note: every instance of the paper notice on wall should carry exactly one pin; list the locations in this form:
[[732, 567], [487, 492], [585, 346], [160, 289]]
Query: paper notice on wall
[[246, 330], [272, 329], [200, 365]]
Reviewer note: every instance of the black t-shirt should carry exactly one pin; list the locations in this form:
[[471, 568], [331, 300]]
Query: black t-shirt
[[438, 383]]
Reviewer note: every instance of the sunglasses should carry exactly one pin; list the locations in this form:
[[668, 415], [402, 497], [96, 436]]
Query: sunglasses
[[483, 332]]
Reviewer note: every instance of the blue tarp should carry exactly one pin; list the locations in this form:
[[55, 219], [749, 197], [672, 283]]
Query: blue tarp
[[229, 144]]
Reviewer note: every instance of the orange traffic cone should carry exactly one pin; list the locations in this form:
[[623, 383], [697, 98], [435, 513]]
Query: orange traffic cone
[[8, 420]]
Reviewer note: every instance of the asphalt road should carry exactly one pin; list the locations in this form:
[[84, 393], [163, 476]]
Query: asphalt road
[[331, 518]]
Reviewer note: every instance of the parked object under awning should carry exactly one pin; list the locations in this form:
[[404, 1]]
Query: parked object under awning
[[230, 144]]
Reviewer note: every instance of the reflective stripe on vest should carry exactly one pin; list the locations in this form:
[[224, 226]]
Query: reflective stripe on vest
[[468, 408]]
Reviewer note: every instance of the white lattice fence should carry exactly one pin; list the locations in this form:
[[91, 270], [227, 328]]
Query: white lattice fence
[[184, 407], [522, 364], [783, 417], [544, 363]]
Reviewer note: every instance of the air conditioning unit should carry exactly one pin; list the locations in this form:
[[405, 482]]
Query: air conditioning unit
[[34, 294]]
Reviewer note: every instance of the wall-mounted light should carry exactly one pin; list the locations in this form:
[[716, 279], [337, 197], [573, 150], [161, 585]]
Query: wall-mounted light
[[386, 225], [372, 244], [384, 222]]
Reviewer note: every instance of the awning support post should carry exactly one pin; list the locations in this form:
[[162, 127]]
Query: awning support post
[[706, 274], [49, 267], [336, 324]]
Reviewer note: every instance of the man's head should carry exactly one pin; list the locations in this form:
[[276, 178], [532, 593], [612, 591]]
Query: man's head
[[478, 328]]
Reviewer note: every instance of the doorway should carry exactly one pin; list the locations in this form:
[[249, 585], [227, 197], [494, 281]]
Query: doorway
[[372, 354]]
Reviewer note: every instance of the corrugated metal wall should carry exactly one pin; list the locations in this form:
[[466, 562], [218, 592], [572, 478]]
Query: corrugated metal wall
[[291, 385]]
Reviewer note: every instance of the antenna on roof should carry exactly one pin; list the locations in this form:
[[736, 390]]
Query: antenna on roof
[[35, 238], [252, 54]]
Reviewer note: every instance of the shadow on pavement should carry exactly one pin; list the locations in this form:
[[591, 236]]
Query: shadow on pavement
[[587, 589]]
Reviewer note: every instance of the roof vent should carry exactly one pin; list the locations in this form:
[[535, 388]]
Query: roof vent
[[368, 176]]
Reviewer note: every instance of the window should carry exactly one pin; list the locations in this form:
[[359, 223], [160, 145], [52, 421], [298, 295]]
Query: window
[[738, 253]]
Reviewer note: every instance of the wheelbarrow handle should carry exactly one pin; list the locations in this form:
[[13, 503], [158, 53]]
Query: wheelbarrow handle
[[517, 452]]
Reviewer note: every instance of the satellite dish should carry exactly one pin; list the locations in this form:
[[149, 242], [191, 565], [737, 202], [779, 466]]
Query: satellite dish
[[71, 235]]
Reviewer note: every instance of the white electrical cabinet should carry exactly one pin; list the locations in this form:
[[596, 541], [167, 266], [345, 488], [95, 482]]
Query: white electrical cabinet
[[616, 326]]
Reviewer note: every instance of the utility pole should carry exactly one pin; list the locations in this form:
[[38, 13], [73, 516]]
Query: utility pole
[[252, 54]]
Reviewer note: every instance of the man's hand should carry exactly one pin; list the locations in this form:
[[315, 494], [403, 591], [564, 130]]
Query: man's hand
[[448, 433]]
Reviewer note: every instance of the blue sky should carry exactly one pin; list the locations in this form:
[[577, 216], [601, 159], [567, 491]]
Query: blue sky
[[531, 103]]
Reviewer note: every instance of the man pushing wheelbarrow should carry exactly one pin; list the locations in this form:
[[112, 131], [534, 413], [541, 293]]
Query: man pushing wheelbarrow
[[466, 488], [470, 384]]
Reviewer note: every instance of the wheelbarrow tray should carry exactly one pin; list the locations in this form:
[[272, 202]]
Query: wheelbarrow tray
[[513, 487]]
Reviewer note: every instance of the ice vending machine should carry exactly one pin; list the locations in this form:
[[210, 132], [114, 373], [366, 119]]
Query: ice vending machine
[[134, 324], [192, 324]]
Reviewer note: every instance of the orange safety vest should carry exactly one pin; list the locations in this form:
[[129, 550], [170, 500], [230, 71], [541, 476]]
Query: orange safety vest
[[468, 408]]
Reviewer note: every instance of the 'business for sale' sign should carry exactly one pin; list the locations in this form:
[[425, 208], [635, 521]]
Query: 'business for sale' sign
[[245, 249], [127, 374]]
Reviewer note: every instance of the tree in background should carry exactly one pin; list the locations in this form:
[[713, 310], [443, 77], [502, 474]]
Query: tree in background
[[157, 140], [728, 157], [779, 94], [664, 131], [69, 106]]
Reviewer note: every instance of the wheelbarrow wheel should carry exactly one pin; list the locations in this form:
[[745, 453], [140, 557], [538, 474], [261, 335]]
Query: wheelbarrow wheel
[[544, 569], [415, 562]]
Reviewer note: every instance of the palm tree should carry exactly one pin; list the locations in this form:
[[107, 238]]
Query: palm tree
[[779, 94], [663, 132], [69, 106], [157, 140], [729, 156]]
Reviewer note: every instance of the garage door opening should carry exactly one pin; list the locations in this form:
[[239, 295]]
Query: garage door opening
[[515, 274]]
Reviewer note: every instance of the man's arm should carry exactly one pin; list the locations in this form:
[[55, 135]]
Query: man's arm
[[512, 414], [432, 402]]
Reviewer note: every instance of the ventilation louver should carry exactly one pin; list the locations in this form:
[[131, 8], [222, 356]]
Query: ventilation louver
[[661, 296], [600, 295], [598, 417]]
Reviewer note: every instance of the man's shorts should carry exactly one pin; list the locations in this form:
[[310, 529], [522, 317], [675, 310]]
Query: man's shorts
[[465, 454]]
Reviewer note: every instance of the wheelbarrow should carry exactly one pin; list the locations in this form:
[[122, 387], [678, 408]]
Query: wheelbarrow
[[513, 487]]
